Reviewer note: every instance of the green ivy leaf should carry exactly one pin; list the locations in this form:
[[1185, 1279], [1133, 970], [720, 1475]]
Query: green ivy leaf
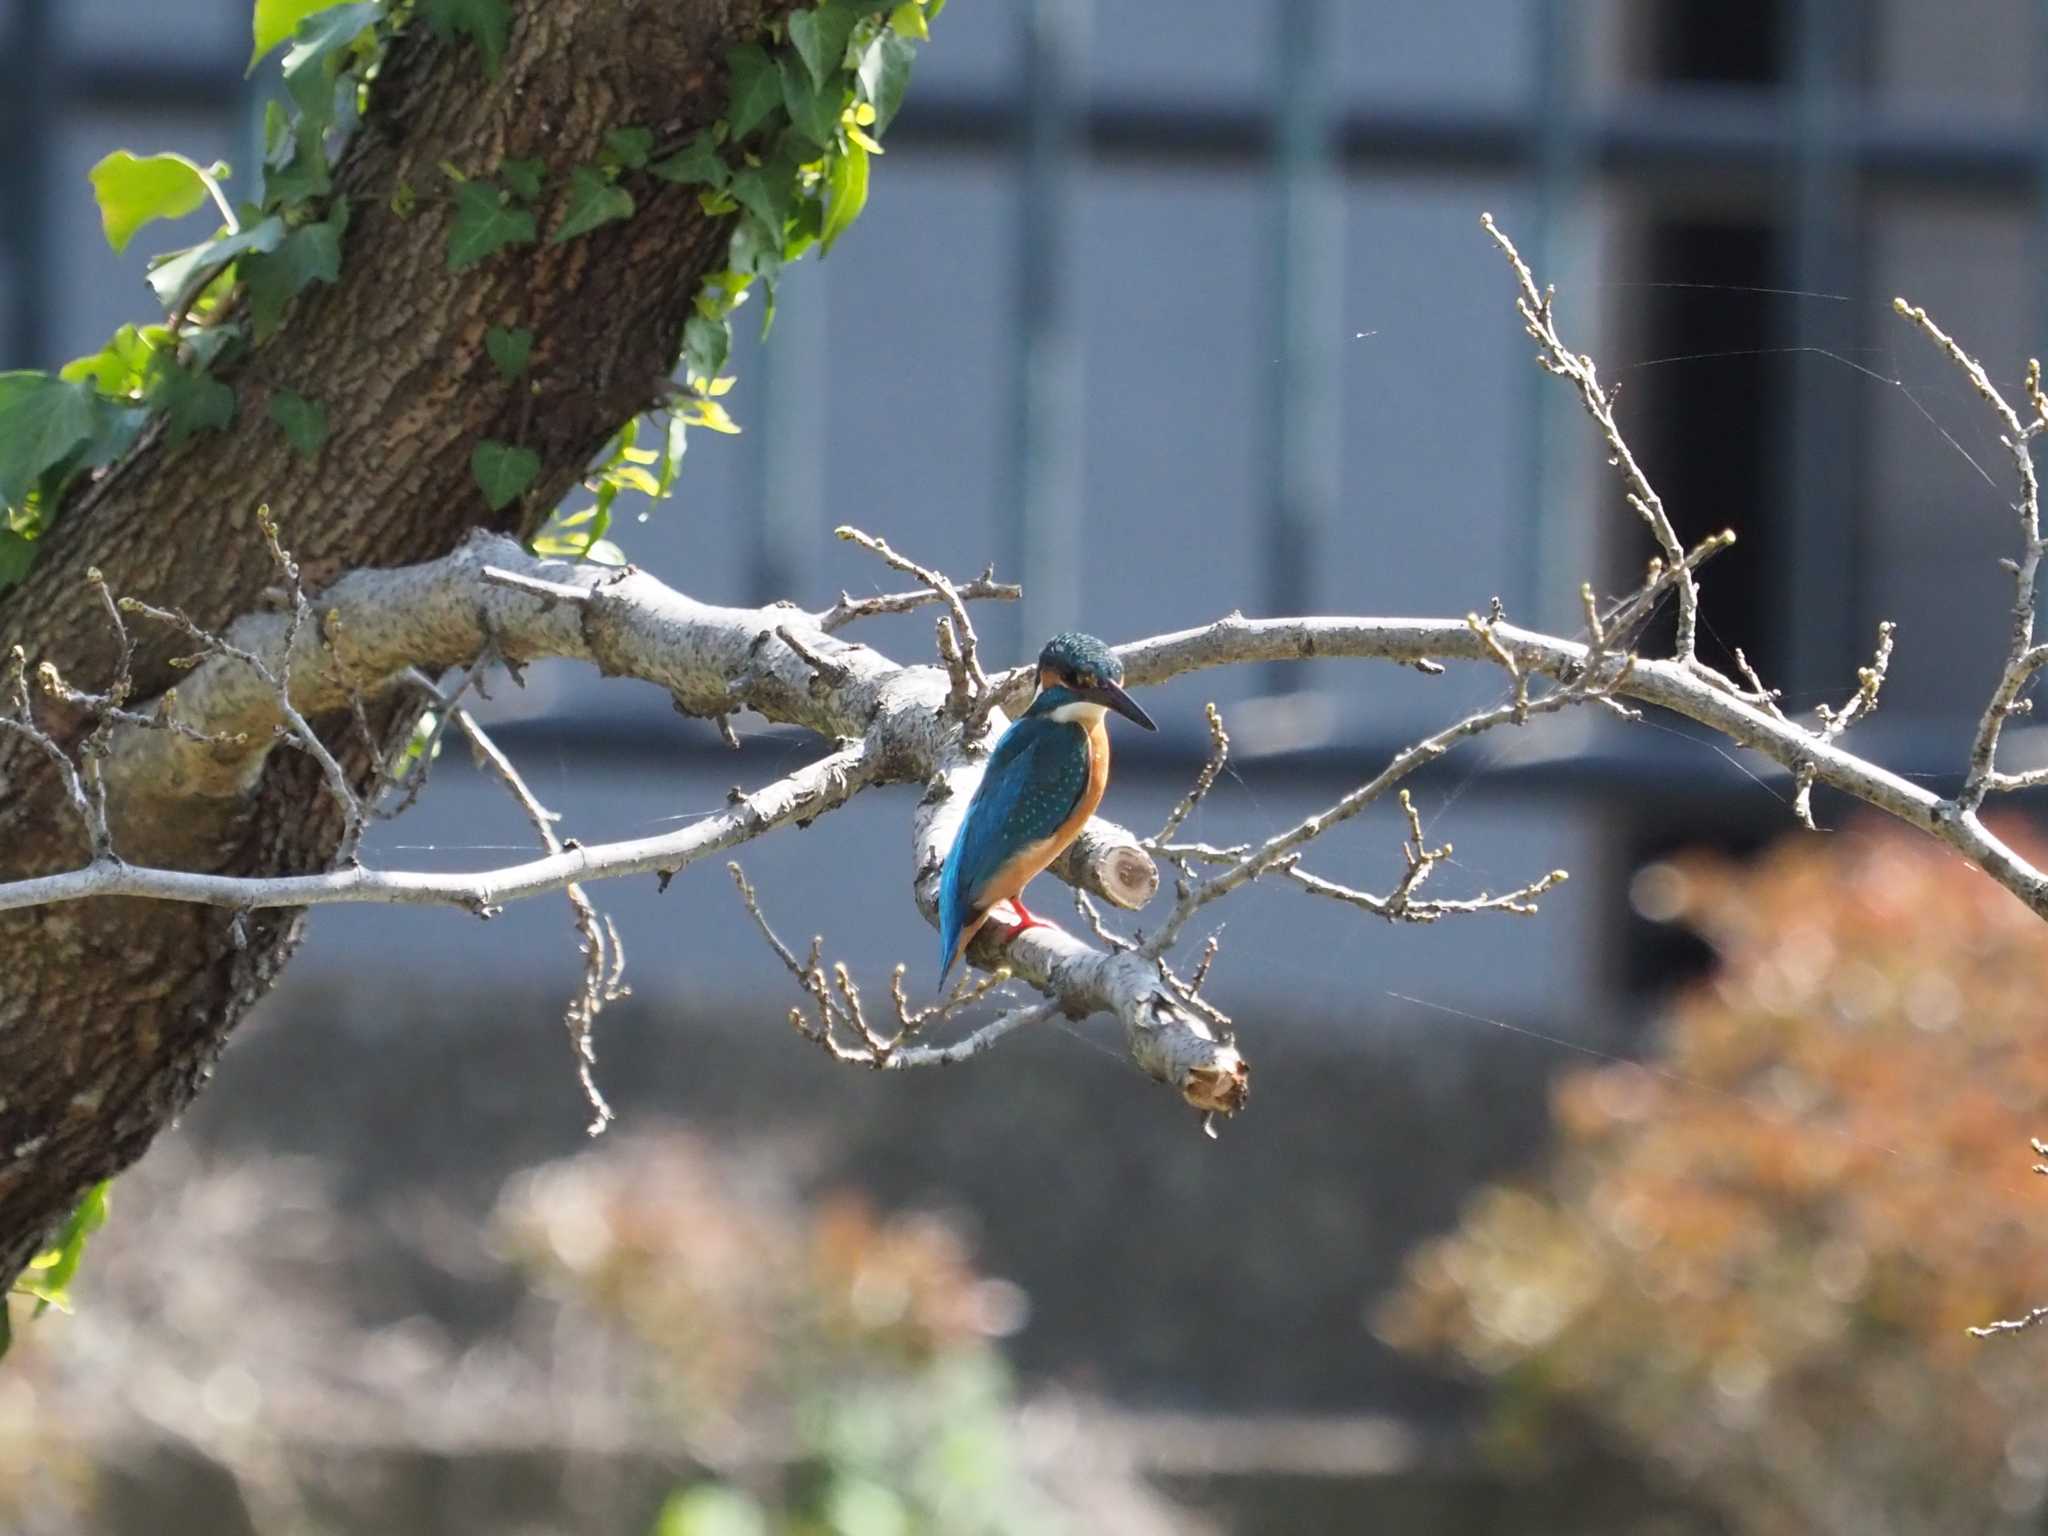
[[766, 194], [813, 107], [707, 344], [485, 223], [119, 426], [677, 443], [17, 554], [847, 194], [300, 179], [592, 201], [321, 39], [884, 76], [191, 399], [820, 38], [133, 189], [524, 177], [503, 471], [630, 146], [311, 254], [42, 418], [509, 349], [697, 164], [171, 274], [120, 368], [756, 249], [304, 421], [756, 88], [277, 21], [487, 22]]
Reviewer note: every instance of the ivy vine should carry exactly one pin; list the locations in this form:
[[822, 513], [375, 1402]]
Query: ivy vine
[[788, 163]]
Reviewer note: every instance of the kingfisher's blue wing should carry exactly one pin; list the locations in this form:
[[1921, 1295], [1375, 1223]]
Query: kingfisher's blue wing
[[1035, 777]]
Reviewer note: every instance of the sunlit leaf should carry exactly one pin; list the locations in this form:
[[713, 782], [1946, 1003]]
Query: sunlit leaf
[[847, 193], [884, 75], [277, 21], [672, 453], [134, 189], [700, 412]]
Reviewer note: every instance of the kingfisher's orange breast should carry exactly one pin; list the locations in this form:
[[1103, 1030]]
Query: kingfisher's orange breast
[[1027, 862]]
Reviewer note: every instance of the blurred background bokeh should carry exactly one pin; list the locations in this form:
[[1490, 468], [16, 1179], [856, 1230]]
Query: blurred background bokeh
[[1203, 320]]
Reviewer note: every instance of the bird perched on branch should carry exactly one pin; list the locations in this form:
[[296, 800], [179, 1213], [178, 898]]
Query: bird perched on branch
[[1043, 782]]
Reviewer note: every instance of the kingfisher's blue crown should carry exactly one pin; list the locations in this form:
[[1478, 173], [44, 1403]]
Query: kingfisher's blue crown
[[1074, 654]]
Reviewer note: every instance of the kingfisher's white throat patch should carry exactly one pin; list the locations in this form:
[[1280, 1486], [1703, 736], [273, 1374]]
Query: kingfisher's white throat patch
[[1080, 712]]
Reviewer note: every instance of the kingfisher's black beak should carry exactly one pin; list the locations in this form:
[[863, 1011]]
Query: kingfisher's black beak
[[1122, 703]]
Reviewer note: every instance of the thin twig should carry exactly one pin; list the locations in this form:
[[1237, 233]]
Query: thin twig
[[604, 958], [2019, 668], [984, 588], [971, 696], [1537, 308]]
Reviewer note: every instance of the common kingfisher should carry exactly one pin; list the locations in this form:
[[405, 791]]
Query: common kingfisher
[[1043, 782]]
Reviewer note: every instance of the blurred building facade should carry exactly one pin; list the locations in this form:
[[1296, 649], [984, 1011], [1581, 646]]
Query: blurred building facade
[[1171, 307]]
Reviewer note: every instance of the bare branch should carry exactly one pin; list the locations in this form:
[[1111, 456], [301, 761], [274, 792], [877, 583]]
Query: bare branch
[[1833, 722], [984, 588], [1537, 308], [971, 695], [1219, 754], [278, 682], [2026, 1320], [840, 1011], [2020, 662], [22, 722], [1281, 849], [604, 958]]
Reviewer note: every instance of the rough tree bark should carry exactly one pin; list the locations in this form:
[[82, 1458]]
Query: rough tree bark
[[112, 1011]]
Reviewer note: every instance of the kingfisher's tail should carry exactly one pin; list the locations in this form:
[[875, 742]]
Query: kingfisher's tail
[[950, 915]]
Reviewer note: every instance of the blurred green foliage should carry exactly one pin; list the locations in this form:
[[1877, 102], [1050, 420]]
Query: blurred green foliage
[[841, 1362]]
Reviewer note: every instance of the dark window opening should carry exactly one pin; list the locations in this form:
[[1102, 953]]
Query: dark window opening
[[1697, 408], [1659, 954], [1717, 42]]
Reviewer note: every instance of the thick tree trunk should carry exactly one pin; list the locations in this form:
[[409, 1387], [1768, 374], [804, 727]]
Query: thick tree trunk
[[111, 1012]]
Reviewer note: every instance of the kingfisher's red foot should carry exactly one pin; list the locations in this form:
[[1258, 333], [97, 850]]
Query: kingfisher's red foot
[[1026, 918]]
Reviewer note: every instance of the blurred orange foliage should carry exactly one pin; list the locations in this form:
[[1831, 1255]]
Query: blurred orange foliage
[[1755, 1259]]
